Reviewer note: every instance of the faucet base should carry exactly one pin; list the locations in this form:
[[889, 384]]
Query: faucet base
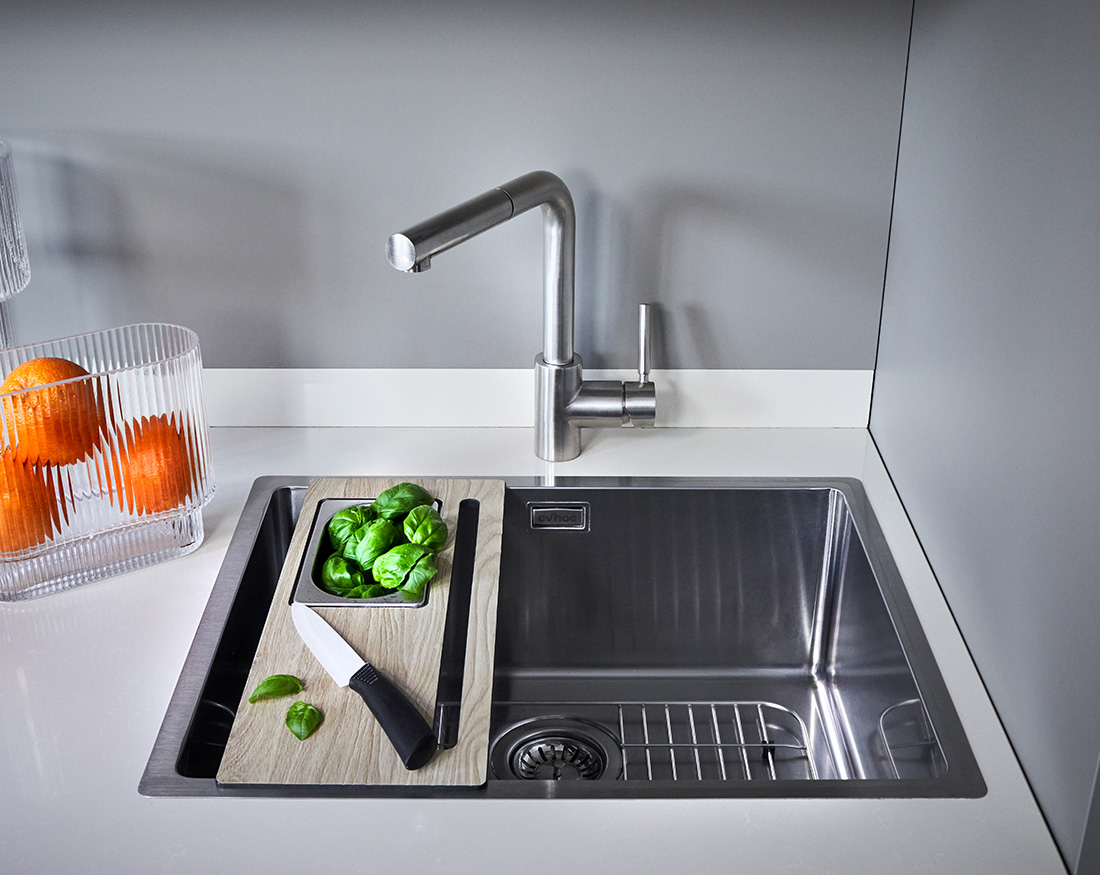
[[565, 403], [556, 438]]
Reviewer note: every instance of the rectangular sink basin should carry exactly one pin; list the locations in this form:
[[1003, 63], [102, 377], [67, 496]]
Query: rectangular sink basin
[[655, 637]]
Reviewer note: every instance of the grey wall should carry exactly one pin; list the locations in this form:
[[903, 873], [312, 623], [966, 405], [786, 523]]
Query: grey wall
[[985, 403], [237, 167]]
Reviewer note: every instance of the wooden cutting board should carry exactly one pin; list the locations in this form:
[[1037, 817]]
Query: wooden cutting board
[[404, 643]]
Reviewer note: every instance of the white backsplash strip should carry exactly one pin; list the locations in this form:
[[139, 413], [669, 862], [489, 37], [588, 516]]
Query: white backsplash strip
[[405, 397]]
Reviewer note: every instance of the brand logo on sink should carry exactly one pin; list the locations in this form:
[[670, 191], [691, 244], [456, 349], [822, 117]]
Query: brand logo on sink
[[561, 516]]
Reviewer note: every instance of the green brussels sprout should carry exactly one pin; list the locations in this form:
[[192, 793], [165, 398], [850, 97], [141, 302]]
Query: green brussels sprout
[[345, 523], [424, 526], [394, 568], [339, 576], [371, 541], [395, 502]]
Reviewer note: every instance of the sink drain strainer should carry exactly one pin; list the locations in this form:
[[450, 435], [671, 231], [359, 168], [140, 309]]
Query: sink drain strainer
[[556, 749]]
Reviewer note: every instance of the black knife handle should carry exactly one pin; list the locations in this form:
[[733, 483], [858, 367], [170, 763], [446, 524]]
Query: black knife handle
[[406, 727]]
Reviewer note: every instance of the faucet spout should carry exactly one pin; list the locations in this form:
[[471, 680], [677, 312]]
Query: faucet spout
[[412, 249]]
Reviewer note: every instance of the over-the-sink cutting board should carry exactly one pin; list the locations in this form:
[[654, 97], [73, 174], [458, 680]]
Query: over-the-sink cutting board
[[403, 642]]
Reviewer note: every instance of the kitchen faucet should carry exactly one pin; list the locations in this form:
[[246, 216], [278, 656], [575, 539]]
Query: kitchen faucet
[[564, 401]]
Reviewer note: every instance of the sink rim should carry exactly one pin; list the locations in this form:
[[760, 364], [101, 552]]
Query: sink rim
[[962, 780]]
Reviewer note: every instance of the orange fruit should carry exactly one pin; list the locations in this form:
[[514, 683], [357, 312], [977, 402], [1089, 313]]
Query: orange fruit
[[28, 510], [154, 467], [55, 425]]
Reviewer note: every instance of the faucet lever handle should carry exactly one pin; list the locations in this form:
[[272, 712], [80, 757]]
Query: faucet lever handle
[[640, 399]]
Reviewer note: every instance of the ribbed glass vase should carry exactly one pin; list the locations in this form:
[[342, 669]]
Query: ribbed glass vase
[[15, 270], [104, 467]]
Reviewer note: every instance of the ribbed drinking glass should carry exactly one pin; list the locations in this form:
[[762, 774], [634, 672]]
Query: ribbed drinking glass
[[15, 271]]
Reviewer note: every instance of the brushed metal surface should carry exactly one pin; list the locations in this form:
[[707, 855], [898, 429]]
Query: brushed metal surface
[[307, 588], [718, 591], [564, 402]]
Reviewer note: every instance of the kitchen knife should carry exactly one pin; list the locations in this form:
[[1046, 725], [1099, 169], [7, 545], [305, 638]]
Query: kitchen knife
[[406, 727]]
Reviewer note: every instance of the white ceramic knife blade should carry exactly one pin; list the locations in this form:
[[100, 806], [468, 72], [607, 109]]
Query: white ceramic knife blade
[[334, 653], [406, 727]]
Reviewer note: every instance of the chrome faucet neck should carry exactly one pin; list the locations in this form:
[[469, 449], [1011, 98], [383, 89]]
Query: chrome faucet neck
[[559, 224]]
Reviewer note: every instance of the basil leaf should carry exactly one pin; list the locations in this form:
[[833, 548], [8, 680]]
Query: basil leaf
[[344, 523], [275, 686], [339, 575], [392, 568], [398, 500], [417, 578], [302, 718], [425, 526], [371, 541], [367, 591]]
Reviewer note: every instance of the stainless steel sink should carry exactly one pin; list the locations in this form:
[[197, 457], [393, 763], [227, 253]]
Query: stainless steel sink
[[655, 637]]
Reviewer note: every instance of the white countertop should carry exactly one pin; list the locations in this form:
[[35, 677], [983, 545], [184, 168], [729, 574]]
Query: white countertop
[[87, 675]]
